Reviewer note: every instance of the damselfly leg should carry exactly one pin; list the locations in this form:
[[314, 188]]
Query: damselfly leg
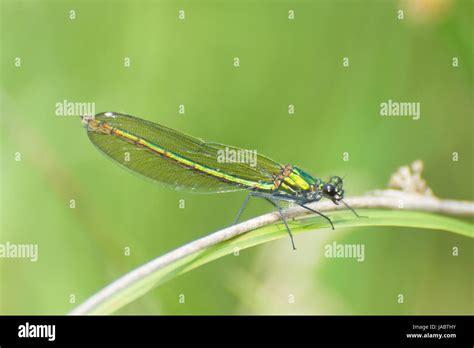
[[317, 212], [284, 220], [269, 198], [272, 198], [241, 210]]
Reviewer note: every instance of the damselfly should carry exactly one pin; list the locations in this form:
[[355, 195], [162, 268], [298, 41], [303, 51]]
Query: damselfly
[[189, 164]]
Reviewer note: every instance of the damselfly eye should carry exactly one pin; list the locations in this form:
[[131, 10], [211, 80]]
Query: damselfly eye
[[327, 188]]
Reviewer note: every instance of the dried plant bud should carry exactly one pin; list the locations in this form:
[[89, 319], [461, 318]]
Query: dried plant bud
[[409, 179]]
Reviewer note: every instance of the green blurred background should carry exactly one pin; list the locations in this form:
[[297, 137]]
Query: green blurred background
[[190, 62]]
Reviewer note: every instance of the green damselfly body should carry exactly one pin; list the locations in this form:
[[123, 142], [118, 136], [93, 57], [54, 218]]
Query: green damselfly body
[[189, 164]]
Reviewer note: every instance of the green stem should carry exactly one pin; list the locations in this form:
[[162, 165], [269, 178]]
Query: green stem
[[245, 235]]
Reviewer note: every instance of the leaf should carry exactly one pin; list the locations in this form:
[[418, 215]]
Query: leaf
[[341, 219]]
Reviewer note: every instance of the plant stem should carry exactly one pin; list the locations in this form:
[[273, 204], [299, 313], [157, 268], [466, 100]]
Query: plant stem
[[387, 199]]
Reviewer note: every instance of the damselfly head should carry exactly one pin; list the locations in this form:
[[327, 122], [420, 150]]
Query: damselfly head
[[333, 189]]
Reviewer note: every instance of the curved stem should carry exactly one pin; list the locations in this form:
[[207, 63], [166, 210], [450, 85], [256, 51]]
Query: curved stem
[[387, 199]]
